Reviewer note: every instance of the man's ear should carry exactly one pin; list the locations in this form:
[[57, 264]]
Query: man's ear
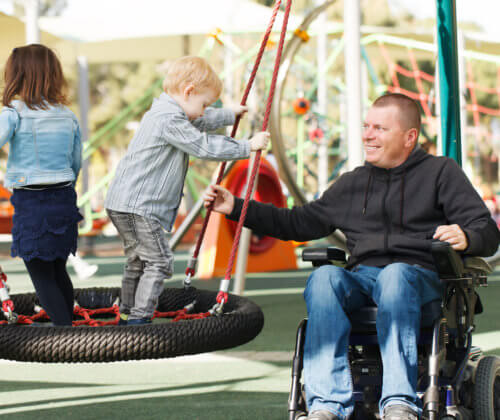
[[411, 138]]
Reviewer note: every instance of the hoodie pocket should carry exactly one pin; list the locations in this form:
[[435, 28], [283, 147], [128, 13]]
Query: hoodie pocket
[[370, 244]]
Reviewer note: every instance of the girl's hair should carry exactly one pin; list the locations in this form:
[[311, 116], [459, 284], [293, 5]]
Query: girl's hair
[[191, 70], [34, 73]]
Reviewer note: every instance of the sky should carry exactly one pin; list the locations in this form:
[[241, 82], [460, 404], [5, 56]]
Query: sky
[[485, 13]]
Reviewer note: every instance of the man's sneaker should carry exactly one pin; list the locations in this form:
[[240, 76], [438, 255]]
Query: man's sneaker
[[399, 412], [139, 321], [322, 415]]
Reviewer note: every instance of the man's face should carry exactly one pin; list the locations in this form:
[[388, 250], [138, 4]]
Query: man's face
[[387, 144]]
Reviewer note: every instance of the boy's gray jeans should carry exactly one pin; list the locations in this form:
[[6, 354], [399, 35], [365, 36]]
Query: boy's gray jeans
[[149, 263]]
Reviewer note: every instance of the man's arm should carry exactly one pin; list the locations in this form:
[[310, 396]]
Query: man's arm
[[312, 221], [471, 228]]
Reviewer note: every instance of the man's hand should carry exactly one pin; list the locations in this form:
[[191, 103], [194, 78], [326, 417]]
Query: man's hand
[[453, 234], [222, 199], [238, 109]]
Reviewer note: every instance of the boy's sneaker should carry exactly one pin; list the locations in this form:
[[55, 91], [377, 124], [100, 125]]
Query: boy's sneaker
[[123, 319], [139, 321]]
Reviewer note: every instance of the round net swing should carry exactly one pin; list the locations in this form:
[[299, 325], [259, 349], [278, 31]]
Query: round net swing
[[183, 326], [197, 324]]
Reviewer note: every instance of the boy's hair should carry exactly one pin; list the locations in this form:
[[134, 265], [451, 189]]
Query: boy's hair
[[34, 73], [408, 109], [191, 70]]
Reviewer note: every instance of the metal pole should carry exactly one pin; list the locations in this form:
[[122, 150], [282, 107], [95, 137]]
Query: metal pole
[[84, 96], [244, 245], [352, 53], [448, 79], [31, 8], [228, 64], [84, 102], [322, 98], [462, 83]]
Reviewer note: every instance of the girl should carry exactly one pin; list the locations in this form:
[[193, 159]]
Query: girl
[[42, 168]]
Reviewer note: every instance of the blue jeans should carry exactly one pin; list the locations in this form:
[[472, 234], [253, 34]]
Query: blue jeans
[[399, 290], [149, 263]]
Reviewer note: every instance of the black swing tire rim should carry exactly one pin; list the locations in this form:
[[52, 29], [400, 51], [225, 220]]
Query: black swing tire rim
[[241, 321]]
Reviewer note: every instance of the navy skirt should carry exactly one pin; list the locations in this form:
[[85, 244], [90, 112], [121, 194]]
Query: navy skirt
[[45, 223]]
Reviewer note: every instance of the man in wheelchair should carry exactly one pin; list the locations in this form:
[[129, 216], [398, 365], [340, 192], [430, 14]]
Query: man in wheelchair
[[390, 210]]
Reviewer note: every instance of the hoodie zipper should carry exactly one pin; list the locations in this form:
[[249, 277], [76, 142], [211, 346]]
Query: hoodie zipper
[[386, 216]]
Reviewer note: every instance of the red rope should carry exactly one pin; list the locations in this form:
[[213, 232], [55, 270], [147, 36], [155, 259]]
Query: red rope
[[88, 314], [222, 295], [419, 75], [190, 270]]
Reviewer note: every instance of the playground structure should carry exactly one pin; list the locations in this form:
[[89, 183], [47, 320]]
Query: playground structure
[[391, 62], [318, 134]]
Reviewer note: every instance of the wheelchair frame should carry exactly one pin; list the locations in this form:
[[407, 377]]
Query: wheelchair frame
[[454, 381]]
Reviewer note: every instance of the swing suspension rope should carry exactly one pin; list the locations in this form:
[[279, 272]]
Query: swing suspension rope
[[222, 296], [191, 266]]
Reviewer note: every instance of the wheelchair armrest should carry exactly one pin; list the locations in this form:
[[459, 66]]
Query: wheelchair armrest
[[322, 256], [447, 260], [450, 265]]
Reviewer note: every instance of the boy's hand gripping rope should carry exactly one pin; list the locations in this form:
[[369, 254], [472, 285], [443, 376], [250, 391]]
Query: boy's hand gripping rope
[[7, 304], [222, 296], [191, 266]]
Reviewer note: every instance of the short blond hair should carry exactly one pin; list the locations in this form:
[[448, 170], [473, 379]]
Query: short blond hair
[[191, 70], [409, 111]]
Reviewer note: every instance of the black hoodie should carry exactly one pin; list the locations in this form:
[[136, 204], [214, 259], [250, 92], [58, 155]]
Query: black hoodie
[[387, 215]]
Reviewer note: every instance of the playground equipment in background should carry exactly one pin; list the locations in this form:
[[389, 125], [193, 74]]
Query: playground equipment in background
[[266, 253], [6, 210], [297, 138], [394, 64]]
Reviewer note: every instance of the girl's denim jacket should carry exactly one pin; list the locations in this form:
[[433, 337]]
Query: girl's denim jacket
[[45, 145]]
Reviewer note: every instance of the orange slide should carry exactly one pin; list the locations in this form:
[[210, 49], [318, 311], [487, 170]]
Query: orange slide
[[266, 253], [6, 210]]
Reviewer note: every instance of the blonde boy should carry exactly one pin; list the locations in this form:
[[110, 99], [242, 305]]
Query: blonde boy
[[146, 191]]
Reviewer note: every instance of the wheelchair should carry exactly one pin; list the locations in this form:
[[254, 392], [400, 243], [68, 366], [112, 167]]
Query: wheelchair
[[455, 380]]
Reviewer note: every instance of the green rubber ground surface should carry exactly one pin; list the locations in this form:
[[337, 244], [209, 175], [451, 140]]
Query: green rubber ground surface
[[248, 382]]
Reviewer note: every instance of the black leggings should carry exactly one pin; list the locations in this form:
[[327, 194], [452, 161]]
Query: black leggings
[[53, 288]]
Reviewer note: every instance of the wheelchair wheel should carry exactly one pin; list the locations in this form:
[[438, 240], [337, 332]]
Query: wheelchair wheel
[[487, 389]]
